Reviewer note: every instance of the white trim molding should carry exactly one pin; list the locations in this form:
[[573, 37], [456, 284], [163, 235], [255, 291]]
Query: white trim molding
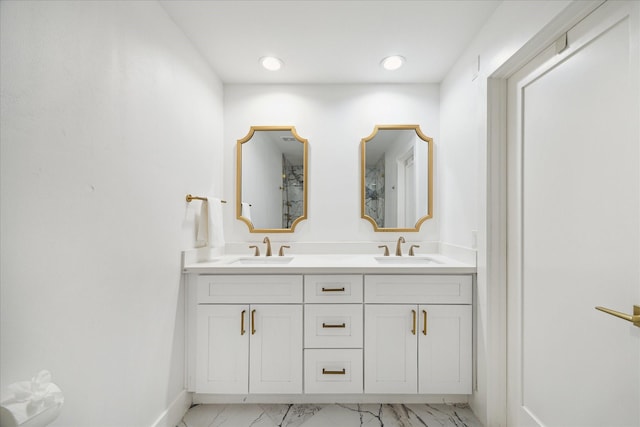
[[176, 410]]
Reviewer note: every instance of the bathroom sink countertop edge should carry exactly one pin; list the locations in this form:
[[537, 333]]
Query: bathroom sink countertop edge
[[325, 263]]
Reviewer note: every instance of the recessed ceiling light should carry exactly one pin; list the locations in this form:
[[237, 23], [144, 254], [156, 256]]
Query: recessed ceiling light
[[271, 63], [392, 62]]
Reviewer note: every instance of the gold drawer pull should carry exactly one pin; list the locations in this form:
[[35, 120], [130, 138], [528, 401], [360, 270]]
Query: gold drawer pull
[[333, 289], [342, 372], [328, 325], [633, 318], [413, 330], [242, 331]]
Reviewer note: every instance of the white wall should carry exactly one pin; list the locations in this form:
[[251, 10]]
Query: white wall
[[333, 118], [109, 117], [463, 172], [262, 178]]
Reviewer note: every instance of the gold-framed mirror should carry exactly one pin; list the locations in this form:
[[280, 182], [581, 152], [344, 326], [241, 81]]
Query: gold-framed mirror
[[396, 178], [271, 179]]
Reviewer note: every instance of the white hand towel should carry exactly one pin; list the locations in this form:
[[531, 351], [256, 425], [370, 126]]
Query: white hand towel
[[202, 234], [216, 229], [210, 228], [246, 210]]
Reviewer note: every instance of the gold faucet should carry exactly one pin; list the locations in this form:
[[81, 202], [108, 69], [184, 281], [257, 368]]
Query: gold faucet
[[386, 249], [411, 253], [399, 246], [281, 251], [268, 242]]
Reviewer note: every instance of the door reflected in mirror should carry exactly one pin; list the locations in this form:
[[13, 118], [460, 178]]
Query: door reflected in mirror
[[271, 179], [397, 178]]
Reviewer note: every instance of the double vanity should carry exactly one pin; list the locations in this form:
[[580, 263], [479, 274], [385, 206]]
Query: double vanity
[[331, 324], [313, 327]]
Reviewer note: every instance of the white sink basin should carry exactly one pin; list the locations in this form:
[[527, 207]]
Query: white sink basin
[[421, 260], [263, 260]]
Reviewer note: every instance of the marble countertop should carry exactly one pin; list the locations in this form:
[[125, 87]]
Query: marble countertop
[[329, 263]]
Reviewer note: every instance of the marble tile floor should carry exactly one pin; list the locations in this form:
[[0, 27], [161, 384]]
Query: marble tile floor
[[330, 415]]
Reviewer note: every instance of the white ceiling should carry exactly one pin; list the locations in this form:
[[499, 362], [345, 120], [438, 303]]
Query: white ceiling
[[330, 41]]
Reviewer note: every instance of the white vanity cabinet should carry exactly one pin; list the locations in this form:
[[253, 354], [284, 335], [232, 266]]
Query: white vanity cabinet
[[366, 335], [249, 334], [422, 342]]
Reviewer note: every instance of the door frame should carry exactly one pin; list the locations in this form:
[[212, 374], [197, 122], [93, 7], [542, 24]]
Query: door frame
[[495, 248]]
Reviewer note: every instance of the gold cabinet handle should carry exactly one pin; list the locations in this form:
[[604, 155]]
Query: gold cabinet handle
[[413, 330], [424, 325], [242, 331], [341, 372], [633, 318], [253, 322], [329, 325], [333, 289]]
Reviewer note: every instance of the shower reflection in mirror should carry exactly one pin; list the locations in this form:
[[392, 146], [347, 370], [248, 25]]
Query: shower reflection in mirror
[[397, 178], [292, 190], [375, 191], [271, 179]]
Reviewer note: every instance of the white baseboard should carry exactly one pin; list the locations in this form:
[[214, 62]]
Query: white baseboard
[[174, 413], [329, 398]]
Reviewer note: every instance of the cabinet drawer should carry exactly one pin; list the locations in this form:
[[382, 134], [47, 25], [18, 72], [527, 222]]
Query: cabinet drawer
[[333, 288], [249, 289], [417, 289], [333, 326], [333, 371]]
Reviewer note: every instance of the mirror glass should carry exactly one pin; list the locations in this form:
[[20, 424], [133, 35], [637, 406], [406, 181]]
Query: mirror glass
[[397, 178], [271, 179]]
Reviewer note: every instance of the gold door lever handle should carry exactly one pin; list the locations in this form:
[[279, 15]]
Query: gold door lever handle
[[633, 318]]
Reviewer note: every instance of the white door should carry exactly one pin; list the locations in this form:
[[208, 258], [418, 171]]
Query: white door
[[276, 349], [390, 348], [222, 354], [406, 190], [574, 228], [410, 217], [444, 349]]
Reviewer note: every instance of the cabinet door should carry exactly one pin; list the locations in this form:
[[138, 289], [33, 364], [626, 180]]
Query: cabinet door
[[390, 344], [276, 349], [222, 351], [444, 349]]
